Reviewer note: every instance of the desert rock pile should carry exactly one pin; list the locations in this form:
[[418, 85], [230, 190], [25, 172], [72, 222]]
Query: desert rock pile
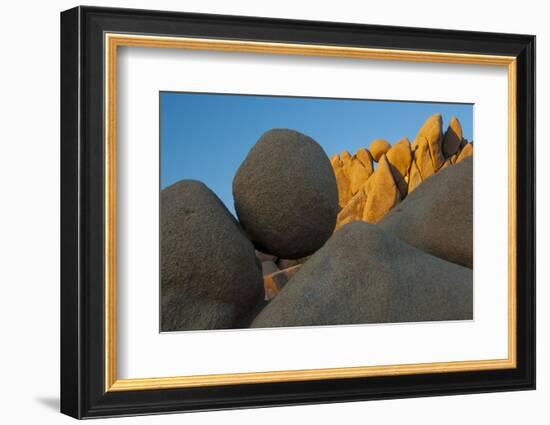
[[368, 193], [382, 236]]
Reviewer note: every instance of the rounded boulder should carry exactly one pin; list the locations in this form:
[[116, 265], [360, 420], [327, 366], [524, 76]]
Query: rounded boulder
[[210, 277], [378, 148], [285, 194], [366, 275]]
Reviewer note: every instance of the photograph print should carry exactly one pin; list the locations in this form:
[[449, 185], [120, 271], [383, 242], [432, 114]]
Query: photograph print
[[283, 211]]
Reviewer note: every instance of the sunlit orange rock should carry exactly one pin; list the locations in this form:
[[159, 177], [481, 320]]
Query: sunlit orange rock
[[400, 158], [358, 175], [378, 148], [353, 210], [365, 157], [344, 188], [382, 192]]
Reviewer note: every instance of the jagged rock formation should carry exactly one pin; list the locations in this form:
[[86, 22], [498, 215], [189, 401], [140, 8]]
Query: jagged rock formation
[[285, 194], [274, 282], [368, 193]]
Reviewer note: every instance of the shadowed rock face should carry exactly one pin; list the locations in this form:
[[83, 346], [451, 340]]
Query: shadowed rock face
[[285, 194], [210, 276], [366, 275], [438, 216]]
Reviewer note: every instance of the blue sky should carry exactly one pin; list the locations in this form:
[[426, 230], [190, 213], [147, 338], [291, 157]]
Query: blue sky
[[206, 136]]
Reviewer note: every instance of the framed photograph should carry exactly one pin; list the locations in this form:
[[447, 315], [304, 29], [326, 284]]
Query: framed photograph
[[261, 212]]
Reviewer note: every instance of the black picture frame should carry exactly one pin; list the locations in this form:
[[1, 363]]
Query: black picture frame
[[83, 392]]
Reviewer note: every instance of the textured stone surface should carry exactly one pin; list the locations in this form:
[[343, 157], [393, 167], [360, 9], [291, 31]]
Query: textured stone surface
[[353, 210], [210, 276], [378, 148], [336, 162], [446, 164], [269, 267], [284, 263], [366, 275], [453, 138], [262, 256], [467, 151], [273, 283], [423, 158], [344, 187], [345, 157], [410, 166], [286, 195], [365, 157], [400, 158], [382, 193], [358, 175], [351, 173], [438, 216], [431, 131], [414, 178]]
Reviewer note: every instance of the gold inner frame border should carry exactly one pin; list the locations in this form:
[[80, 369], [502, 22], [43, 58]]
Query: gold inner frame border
[[111, 43]]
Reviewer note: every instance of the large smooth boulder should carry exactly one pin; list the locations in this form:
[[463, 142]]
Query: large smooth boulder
[[364, 274], [285, 194], [438, 216], [210, 277]]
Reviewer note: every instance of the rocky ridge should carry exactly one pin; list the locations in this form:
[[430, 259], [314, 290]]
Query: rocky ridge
[[382, 236], [373, 181]]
